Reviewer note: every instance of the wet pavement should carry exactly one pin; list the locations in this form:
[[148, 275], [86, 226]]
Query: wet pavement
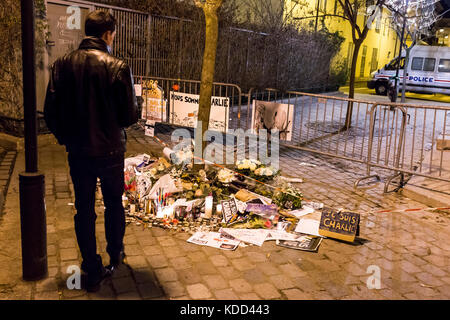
[[410, 249]]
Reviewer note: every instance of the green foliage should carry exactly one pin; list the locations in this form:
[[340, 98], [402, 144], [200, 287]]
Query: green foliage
[[11, 52], [339, 73]]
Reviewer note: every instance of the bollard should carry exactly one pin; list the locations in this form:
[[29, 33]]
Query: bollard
[[33, 226]]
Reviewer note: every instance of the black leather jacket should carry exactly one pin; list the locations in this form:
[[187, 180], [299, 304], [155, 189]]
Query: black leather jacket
[[90, 100]]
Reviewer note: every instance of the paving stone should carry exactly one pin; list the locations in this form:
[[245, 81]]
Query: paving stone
[[136, 261], [157, 261], [173, 289], [152, 250], [173, 252], [242, 264], [249, 296], [230, 272], [144, 275], [225, 294], [122, 285], [215, 282], [295, 294], [205, 267], [198, 291], [68, 254], [268, 268], [429, 279], [49, 284], [47, 295], [266, 291], [150, 290], [281, 281], [240, 285], [132, 295], [181, 263], [197, 256], [219, 261], [166, 274]]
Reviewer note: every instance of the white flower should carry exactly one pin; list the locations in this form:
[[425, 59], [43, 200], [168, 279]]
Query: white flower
[[225, 176], [263, 171], [182, 156], [252, 166]]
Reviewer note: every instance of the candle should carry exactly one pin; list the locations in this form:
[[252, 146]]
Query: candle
[[208, 206]]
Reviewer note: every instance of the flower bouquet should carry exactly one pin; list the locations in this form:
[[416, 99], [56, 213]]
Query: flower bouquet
[[289, 198], [256, 170]]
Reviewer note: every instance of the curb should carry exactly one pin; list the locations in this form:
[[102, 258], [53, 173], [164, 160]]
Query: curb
[[426, 196], [12, 146], [10, 142]]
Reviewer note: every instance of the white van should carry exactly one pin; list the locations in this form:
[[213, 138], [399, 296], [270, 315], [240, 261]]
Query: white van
[[428, 71]]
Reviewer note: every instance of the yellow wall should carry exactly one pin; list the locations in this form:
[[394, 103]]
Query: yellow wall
[[443, 36], [382, 40]]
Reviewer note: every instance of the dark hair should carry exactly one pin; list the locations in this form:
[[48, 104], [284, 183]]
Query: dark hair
[[98, 22]]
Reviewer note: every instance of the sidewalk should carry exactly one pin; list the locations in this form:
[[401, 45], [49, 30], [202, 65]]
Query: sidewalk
[[411, 248]]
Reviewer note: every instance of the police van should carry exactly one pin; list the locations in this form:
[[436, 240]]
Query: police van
[[428, 71]]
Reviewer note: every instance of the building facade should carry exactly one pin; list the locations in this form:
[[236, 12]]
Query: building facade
[[380, 46]]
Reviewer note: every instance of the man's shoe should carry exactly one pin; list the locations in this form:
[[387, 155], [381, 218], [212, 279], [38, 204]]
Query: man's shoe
[[94, 281], [116, 262]]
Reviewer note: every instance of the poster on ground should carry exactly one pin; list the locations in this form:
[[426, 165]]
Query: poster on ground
[[272, 115], [184, 111]]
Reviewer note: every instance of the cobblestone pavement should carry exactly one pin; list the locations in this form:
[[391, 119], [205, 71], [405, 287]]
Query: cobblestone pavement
[[410, 248]]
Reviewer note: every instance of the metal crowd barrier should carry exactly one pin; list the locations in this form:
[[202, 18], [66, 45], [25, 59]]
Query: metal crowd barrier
[[419, 155], [223, 90], [399, 140]]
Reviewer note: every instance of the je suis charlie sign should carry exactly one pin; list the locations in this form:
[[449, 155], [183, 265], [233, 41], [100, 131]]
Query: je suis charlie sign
[[339, 224]]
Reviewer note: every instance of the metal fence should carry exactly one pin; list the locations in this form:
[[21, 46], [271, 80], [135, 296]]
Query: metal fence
[[397, 139], [191, 87], [393, 141], [132, 41]]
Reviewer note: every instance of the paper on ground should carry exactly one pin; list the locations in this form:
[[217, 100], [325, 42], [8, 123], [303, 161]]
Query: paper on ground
[[253, 236], [282, 235], [213, 239], [302, 212], [308, 226]]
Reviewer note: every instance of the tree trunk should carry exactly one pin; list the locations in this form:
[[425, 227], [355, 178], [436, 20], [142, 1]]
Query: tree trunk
[[209, 60], [351, 90]]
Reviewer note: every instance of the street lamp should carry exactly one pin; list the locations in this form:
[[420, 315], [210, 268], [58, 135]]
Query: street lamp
[[31, 182], [402, 36]]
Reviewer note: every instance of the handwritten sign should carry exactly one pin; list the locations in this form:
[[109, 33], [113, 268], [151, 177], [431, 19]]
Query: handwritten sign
[[339, 224], [229, 210]]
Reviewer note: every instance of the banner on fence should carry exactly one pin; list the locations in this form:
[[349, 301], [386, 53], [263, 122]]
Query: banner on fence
[[272, 115], [184, 110]]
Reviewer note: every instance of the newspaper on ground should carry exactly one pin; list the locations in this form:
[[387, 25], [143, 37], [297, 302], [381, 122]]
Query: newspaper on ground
[[301, 212], [304, 243], [252, 236], [213, 239], [282, 235]]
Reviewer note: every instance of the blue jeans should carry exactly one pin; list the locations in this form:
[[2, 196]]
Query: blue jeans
[[84, 172]]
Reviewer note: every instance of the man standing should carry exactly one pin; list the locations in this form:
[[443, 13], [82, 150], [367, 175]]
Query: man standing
[[90, 100]]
